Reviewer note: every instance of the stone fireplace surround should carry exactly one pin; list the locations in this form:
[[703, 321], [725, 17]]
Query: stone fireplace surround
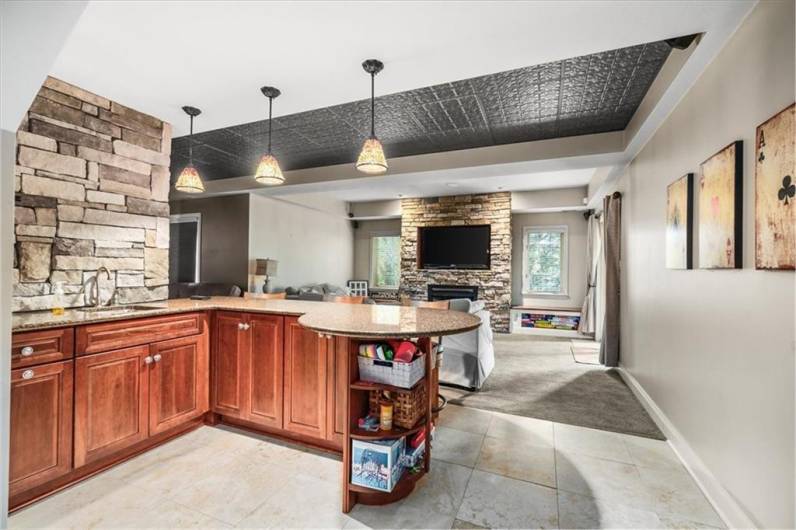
[[494, 285]]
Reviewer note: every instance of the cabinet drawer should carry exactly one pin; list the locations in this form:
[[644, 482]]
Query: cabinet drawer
[[107, 336], [36, 347]]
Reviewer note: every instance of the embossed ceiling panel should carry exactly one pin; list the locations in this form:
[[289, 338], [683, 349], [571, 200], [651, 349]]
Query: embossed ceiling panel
[[584, 95]]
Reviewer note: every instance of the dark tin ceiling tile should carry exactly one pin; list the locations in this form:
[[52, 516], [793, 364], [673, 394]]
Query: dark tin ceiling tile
[[582, 95]]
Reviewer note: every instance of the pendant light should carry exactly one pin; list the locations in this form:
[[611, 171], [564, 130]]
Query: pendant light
[[189, 180], [268, 171], [371, 159]]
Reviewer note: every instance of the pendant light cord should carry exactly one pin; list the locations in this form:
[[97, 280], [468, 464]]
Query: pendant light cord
[[270, 109], [372, 105], [190, 145]]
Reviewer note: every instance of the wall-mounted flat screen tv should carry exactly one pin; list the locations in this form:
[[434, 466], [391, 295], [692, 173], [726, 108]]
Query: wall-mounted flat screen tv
[[454, 247]]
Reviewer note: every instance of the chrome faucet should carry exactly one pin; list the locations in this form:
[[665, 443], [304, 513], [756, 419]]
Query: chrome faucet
[[96, 288]]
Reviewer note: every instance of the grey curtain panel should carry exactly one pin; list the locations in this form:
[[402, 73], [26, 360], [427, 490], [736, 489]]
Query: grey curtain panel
[[612, 212], [588, 313]]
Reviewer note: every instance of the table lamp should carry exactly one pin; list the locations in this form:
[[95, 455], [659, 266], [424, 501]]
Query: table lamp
[[267, 268]]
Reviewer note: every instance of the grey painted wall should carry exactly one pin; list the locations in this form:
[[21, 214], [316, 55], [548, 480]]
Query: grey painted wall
[[715, 348], [225, 237], [576, 248]]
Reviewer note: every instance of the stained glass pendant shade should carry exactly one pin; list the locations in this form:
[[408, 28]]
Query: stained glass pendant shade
[[268, 171], [371, 159], [189, 180]]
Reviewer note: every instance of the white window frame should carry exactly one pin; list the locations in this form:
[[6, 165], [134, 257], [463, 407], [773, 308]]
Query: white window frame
[[371, 262], [192, 218], [526, 290]]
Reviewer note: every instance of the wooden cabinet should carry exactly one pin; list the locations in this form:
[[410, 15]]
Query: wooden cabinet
[[305, 380], [230, 364], [337, 389], [265, 382], [178, 382], [105, 336], [111, 397], [41, 425], [30, 348]]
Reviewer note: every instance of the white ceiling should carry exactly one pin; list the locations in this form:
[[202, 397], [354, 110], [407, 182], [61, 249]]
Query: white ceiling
[[157, 56]]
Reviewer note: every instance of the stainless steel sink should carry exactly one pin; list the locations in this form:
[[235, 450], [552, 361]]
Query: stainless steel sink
[[119, 309]]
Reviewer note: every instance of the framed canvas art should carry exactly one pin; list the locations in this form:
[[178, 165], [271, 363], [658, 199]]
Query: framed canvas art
[[775, 192], [679, 222], [721, 209]]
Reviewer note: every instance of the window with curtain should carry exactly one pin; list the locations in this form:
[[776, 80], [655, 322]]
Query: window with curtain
[[385, 262], [544, 260]]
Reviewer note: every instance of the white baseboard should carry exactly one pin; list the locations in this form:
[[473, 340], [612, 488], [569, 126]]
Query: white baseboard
[[725, 505]]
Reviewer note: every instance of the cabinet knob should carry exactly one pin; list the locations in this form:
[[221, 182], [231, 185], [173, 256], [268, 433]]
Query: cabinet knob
[[240, 325], [27, 351], [147, 360], [246, 326], [157, 357], [27, 374]]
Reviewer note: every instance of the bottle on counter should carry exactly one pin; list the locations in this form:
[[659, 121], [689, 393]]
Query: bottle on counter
[[58, 299], [386, 409]]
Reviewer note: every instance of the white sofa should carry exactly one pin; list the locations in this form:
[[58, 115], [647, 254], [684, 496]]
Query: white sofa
[[468, 358]]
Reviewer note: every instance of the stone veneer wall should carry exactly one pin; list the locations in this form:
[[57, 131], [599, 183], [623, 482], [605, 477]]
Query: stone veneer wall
[[92, 189], [494, 285]]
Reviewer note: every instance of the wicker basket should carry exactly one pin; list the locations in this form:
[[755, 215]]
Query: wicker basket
[[409, 405], [404, 375]]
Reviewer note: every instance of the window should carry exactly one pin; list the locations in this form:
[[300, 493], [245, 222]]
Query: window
[[385, 262], [544, 256]]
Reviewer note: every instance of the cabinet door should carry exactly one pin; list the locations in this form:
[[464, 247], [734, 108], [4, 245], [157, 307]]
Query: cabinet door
[[337, 389], [177, 382], [41, 425], [305, 380], [265, 377], [111, 394], [230, 360]]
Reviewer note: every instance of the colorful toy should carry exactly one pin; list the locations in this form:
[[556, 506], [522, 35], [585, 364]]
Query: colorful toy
[[369, 423]]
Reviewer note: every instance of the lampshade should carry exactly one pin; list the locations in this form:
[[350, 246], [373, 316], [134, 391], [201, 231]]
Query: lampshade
[[266, 267], [371, 159], [268, 171], [189, 181]]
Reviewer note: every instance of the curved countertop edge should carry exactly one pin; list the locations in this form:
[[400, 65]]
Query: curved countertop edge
[[40, 320]]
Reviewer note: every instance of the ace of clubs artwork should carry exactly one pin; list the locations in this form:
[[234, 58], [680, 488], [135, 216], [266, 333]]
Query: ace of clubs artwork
[[775, 192], [720, 209]]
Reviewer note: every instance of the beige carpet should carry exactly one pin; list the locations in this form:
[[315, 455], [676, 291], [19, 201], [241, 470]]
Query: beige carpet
[[538, 377]]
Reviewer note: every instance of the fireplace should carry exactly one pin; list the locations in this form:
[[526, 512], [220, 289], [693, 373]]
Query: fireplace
[[449, 292]]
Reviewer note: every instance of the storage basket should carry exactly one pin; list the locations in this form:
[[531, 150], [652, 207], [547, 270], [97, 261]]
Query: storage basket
[[403, 375], [409, 406]]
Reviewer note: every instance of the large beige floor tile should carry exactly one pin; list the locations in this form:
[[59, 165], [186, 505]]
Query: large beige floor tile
[[433, 503], [456, 447], [646, 452], [675, 493], [522, 461], [602, 479], [465, 419], [581, 511], [521, 429], [676, 522], [494, 501], [591, 442]]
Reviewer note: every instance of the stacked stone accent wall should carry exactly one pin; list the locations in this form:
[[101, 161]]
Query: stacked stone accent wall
[[494, 285], [92, 189]]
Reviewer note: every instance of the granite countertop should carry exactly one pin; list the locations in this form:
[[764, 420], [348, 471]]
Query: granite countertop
[[327, 317]]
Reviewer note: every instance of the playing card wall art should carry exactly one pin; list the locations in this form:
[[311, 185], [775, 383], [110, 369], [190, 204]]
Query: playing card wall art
[[679, 221], [720, 209], [775, 192]]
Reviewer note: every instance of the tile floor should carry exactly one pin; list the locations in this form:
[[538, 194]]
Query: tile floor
[[490, 470]]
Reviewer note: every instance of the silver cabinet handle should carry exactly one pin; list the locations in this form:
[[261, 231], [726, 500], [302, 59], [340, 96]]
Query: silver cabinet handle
[[147, 360], [27, 374], [246, 326], [27, 351], [240, 325], [157, 357]]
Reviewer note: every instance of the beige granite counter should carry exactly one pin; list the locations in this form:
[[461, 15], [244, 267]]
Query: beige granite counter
[[326, 317]]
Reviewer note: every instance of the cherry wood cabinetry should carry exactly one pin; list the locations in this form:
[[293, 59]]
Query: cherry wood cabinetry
[[36, 347], [305, 380], [111, 402], [337, 389], [266, 338], [178, 382], [230, 364], [41, 424], [95, 338]]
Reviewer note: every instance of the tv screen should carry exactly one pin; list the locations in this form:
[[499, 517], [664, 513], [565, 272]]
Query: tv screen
[[454, 247]]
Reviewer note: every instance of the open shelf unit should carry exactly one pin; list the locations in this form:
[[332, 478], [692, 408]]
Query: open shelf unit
[[358, 403]]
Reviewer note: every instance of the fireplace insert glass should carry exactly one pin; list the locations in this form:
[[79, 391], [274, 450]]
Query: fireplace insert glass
[[454, 247]]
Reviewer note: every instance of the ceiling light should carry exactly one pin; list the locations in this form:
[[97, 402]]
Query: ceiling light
[[189, 180], [371, 159], [268, 171]]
